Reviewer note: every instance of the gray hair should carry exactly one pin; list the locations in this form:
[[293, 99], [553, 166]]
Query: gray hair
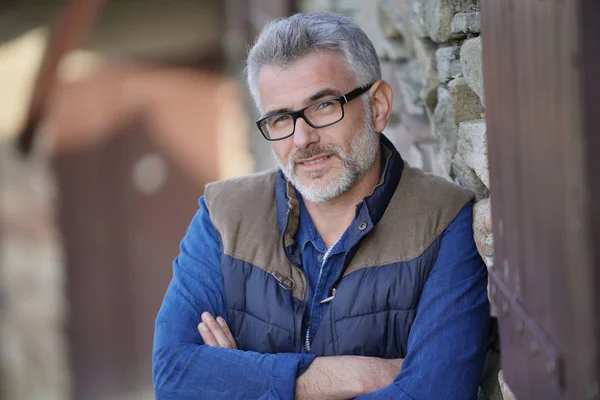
[[285, 41]]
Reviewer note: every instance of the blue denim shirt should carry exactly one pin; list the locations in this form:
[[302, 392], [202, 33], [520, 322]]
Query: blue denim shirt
[[321, 266], [446, 346]]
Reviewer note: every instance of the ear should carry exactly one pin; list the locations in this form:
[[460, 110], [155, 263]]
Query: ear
[[381, 104]]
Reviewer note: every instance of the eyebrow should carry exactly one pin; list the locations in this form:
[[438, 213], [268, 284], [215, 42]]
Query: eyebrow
[[320, 94]]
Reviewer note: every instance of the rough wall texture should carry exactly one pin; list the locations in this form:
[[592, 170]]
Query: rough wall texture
[[33, 348], [430, 51]]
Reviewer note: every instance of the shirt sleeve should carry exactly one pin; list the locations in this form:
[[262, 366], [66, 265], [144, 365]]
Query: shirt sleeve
[[447, 342], [183, 366]]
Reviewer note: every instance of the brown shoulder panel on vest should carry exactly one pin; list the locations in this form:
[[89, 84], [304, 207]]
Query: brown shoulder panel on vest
[[420, 210], [244, 212]]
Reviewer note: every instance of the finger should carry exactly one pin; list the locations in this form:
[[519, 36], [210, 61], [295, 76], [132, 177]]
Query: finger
[[221, 321], [216, 330], [207, 336]]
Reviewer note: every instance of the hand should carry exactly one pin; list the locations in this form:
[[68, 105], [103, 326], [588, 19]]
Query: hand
[[216, 333]]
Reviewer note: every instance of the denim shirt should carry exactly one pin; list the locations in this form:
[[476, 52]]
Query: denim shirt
[[321, 266], [446, 346]]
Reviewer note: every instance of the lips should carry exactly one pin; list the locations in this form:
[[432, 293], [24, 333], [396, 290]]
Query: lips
[[314, 160]]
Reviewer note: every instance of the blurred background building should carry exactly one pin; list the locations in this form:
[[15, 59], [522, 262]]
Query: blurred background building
[[148, 104], [145, 111]]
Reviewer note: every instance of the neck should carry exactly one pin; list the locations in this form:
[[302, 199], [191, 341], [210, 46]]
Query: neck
[[333, 217]]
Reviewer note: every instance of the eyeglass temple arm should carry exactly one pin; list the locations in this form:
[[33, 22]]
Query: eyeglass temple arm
[[355, 93]]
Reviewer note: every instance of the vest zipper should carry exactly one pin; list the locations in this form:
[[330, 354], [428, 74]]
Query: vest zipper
[[325, 257], [303, 309], [306, 342], [307, 339], [306, 284]]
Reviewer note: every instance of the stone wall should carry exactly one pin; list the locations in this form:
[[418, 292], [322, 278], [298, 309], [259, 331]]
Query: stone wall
[[430, 51], [33, 309]]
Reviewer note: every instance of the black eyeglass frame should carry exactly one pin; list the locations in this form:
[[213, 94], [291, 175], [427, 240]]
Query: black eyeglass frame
[[300, 113]]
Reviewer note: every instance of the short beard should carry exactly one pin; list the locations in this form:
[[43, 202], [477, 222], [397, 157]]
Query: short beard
[[355, 163]]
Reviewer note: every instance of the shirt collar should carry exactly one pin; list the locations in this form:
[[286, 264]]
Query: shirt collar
[[307, 231]]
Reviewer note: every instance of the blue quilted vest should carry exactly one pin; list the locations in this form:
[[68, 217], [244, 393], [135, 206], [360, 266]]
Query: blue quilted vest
[[384, 273]]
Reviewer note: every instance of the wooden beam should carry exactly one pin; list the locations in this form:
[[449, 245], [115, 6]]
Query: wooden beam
[[71, 27]]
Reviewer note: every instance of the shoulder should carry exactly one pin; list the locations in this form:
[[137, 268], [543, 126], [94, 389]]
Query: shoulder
[[430, 192], [250, 185], [242, 204], [239, 191], [424, 205]]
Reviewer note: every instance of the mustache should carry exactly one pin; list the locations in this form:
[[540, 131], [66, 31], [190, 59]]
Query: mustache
[[310, 152]]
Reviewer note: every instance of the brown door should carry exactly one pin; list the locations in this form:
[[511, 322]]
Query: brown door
[[121, 235], [541, 63]]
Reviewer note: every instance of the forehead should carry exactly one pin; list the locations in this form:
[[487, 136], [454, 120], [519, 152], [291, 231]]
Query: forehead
[[293, 84]]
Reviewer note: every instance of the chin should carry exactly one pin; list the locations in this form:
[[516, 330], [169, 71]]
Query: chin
[[324, 188], [316, 178]]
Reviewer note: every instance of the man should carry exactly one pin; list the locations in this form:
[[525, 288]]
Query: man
[[345, 273]]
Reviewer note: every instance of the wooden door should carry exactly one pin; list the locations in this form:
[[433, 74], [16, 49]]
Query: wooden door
[[120, 240], [541, 63]]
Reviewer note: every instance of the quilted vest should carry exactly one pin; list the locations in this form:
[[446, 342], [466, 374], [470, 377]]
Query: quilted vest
[[376, 295]]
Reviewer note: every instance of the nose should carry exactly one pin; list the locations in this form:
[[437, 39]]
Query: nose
[[304, 135]]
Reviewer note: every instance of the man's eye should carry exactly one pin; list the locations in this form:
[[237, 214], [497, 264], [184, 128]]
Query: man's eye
[[324, 105], [280, 120]]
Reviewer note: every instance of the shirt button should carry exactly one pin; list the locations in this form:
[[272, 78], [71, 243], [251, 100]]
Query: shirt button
[[362, 226], [320, 257]]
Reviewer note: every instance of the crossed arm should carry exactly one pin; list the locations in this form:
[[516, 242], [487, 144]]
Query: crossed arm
[[208, 365], [327, 378], [445, 349]]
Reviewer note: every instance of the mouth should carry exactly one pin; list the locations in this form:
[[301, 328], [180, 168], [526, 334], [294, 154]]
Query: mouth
[[314, 162]]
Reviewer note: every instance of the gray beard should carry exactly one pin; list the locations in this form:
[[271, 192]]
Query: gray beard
[[355, 163]]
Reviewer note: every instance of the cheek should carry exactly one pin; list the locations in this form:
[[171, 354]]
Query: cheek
[[350, 126], [282, 150], [343, 135]]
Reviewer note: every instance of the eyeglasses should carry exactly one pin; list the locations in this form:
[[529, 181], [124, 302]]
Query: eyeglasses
[[318, 115]]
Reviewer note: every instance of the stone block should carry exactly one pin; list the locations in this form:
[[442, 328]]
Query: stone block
[[388, 74], [467, 105], [448, 63], [429, 150], [466, 177], [394, 50], [507, 394], [466, 22], [443, 165], [457, 6], [409, 77], [445, 129], [405, 144], [33, 309], [389, 45], [401, 17], [387, 22], [472, 146], [417, 21], [395, 19], [425, 53], [472, 65], [437, 16], [414, 157], [482, 228]]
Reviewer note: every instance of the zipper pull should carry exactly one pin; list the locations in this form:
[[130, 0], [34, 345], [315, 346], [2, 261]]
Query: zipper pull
[[329, 299]]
